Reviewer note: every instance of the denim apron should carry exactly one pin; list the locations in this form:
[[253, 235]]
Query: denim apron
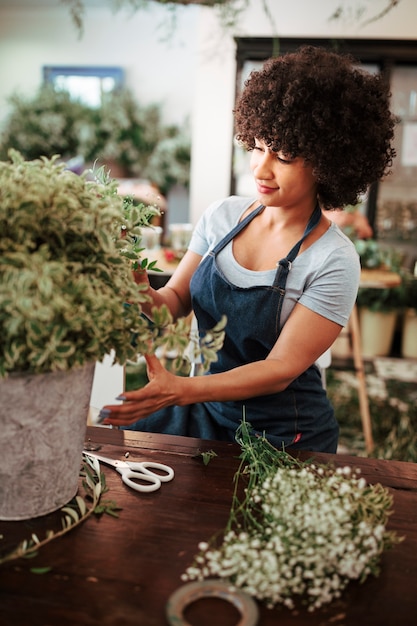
[[299, 416]]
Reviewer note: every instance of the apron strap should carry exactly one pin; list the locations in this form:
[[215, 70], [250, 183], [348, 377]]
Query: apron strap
[[284, 265], [236, 230]]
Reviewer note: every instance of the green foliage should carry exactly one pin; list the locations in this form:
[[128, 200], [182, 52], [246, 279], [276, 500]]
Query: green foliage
[[374, 256], [229, 11], [403, 296], [383, 300], [66, 253], [169, 163], [120, 131], [63, 279], [47, 124], [125, 132]]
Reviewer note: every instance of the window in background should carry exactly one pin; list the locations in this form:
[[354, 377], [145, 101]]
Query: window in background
[[86, 84]]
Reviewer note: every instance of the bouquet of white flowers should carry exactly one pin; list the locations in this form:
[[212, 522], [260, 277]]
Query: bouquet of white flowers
[[301, 530]]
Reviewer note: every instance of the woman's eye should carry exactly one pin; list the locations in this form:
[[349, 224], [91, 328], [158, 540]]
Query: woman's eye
[[282, 159]]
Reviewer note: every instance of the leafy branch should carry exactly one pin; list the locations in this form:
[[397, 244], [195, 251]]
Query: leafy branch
[[74, 513], [343, 13], [206, 456]]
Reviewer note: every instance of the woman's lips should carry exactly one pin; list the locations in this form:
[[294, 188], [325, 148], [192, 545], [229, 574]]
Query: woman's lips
[[264, 189]]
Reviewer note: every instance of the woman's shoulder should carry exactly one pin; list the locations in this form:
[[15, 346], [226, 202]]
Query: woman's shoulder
[[231, 207], [223, 215], [217, 221], [336, 251], [334, 237]]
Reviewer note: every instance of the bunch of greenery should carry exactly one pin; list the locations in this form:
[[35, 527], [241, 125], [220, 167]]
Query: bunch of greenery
[[66, 255], [300, 533]]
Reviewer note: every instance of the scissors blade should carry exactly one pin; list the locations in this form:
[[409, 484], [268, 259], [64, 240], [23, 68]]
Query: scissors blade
[[104, 459]]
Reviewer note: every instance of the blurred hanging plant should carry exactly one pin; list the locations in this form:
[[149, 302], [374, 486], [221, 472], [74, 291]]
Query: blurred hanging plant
[[77, 7], [229, 11], [346, 12]]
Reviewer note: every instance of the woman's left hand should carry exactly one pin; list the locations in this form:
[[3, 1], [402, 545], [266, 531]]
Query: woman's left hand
[[162, 390]]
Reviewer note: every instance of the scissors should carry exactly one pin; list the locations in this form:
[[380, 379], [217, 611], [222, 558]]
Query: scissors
[[135, 474]]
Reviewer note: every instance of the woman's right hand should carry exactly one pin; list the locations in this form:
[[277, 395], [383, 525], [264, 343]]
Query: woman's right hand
[[164, 389], [140, 276]]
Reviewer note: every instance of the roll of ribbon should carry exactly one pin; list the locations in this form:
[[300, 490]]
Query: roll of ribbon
[[189, 593]]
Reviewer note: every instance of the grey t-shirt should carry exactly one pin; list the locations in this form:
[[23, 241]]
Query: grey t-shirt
[[324, 278]]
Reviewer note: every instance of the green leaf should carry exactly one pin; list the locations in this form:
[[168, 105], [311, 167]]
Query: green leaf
[[40, 570], [81, 504], [71, 512], [30, 555], [207, 456]]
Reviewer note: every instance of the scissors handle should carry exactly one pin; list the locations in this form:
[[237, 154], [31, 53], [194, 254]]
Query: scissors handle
[[131, 477], [147, 466]]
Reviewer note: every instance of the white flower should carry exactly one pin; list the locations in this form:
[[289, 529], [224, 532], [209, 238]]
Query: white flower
[[308, 531]]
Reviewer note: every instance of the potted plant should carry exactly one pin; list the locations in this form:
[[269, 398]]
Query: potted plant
[[66, 254], [378, 311], [378, 306]]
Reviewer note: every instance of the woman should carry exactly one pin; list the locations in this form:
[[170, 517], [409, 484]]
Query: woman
[[319, 130]]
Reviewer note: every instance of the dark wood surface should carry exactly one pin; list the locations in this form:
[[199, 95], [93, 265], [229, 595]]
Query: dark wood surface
[[121, 572]]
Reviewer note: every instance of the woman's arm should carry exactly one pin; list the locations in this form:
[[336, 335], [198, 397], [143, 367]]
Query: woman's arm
[[305, 336], [176, 293]]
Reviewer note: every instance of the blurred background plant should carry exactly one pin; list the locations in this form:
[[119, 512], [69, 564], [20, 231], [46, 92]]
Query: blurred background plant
[[49, 123], [120, 132], [393, 408], [373, 255]]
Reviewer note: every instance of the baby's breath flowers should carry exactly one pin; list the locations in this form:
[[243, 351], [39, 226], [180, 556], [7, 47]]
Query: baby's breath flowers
[[301, 531]]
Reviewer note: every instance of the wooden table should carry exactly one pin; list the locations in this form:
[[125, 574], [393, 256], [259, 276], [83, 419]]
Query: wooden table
[[121, 572]]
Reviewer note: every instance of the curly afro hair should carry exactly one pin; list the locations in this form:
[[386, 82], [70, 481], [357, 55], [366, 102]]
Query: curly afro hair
[[321, 106]]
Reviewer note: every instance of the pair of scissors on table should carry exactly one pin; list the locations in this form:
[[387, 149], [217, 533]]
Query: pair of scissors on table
[[135, 474]]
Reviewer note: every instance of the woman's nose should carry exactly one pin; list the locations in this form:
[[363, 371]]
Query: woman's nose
[[261, 166]]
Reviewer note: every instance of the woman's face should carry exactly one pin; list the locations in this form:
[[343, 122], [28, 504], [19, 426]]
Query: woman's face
[[281, 181]]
